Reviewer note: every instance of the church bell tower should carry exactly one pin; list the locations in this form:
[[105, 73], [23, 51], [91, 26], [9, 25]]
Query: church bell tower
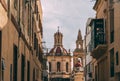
[[79, 41], [78, 53], [78, 56]]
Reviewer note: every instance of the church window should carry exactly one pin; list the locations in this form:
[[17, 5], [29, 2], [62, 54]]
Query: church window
[[67, 67], [80, 59], [58, 66], [50, 66], [79, 46]]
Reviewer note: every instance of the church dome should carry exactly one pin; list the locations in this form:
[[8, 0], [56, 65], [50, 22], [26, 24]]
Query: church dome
[[58, 33], [58, 48], [58, 51]]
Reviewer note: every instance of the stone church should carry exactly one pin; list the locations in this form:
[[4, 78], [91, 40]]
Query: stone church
[[78, 57], [59, 60]]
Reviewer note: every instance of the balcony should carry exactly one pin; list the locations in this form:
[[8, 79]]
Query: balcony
[[98, 38], [59, 73], [99, 51]]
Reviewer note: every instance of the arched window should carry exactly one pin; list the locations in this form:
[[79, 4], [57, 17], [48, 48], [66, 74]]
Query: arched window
[[50, 66], [67, 67], [80, 59], [79, 46], [58, 66]]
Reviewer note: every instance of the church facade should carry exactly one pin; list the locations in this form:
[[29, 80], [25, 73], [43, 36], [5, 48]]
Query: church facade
[[59, 60]]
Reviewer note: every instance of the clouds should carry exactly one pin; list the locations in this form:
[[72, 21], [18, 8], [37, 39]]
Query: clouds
[[70, 15]]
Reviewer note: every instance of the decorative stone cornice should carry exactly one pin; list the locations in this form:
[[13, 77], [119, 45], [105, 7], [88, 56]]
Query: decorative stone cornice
[[96, 4]]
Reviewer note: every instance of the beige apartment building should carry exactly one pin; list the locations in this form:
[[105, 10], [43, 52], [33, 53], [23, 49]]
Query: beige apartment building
[[105, 44], [20, 40], [87, 49]]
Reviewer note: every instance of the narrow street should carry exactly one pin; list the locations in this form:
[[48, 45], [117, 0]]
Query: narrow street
[[59, 40]]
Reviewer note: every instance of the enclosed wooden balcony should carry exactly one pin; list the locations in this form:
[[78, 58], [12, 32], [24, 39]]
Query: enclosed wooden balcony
[[99, 51]]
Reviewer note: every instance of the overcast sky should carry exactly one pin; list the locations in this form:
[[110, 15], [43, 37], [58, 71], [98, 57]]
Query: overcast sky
[[69, 15]]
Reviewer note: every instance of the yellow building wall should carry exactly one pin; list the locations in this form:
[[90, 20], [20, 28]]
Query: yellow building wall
[[79, 76]]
